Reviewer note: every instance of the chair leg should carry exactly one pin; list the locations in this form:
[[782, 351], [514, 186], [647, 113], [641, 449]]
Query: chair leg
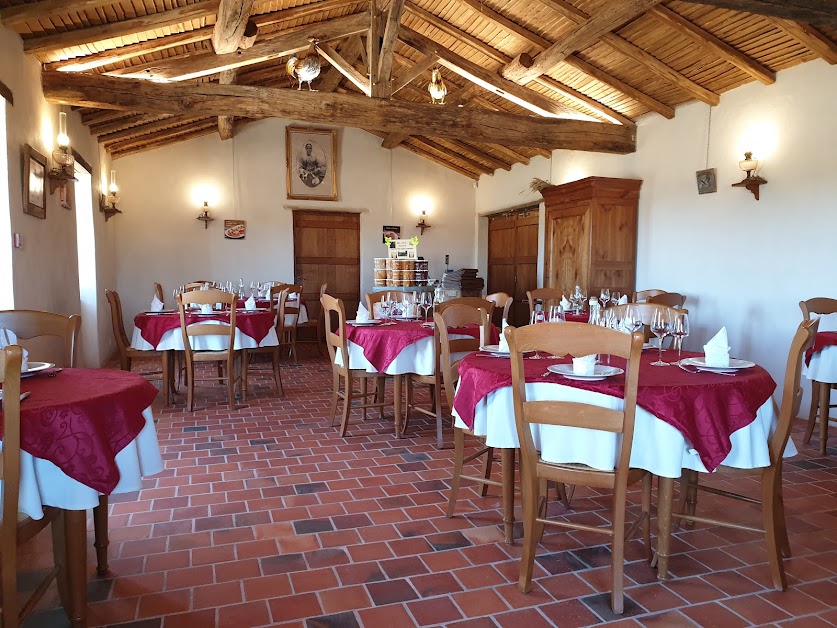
[[543, 505], [347, 405], [100, 529], [436, 404], [190, 385], [458, 457], [530, 497], [825, 399], [277, 373], [165, 377], [245, 368], [363, 388], [617, 567], [646, 514], [380, 389], [335, 389], [688, 495], [408, 380], [812, 412], [772, 528], [8, 559], [220, 373], [507, 462], [231, 371], [486, 470]]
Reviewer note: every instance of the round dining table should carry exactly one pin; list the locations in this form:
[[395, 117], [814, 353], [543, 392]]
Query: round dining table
[[820, 367], [160, 331]]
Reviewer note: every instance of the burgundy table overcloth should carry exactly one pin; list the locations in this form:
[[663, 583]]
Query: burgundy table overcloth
[[81, 418], [265, 303], [822, 340], [584, 317], [706, 408], [381, 344], [153, 326]]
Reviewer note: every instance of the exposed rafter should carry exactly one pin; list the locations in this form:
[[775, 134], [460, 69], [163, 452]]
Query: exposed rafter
[[819, 12], [225, 123], [230, 23], [811, 38], [393, 23], [19, 14], [413, 72], [345, 68]]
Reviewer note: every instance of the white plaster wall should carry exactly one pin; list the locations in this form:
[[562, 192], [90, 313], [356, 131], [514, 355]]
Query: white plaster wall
[[743, 263], [45, 268], [159, 239]]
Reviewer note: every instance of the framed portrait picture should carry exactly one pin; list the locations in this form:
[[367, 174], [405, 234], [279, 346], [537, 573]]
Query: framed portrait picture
[[311, 163], [706, 183], [34, 182], [393, 233]]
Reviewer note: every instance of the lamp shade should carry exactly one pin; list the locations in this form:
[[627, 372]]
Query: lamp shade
[[748, 164]]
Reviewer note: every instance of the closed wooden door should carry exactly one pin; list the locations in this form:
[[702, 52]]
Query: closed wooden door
[[327, 250], [513, 259]]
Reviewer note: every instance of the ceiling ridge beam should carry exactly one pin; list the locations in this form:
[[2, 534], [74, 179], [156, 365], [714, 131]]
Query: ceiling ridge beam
[[811, 38], [817, 12], [715, 45], [460, 96]]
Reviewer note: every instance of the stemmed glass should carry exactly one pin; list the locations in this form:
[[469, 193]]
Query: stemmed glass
[[661, 327], [633, 320], [386, 306], [604, 296], [556, 314], [425, 302], [680, 329], [615, 296]]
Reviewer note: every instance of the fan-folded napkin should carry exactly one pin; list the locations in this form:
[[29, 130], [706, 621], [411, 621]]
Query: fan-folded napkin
[[362, 315], [504, 344], [717, 349], [565, 305], [7, 338], [206, 308], [623, 300], [250, 304], [828, 322], [156, 305]]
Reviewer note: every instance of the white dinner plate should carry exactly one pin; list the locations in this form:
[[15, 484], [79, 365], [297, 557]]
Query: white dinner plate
[[36, 367], [371, 323], [734, 365], [495, 350], [602, 371], [150, 313]]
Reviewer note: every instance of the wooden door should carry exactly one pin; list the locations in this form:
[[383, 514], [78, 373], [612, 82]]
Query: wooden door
[[569, 247], [327, 250], [513, 258]]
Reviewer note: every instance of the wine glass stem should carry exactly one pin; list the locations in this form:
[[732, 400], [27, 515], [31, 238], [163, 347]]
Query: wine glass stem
[[661, 348]]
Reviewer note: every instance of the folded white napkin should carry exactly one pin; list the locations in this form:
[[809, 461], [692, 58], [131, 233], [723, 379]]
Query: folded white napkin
[[585, 365], [250, 304], [623, 300], [717, 349], [504, 344], [362, 315], [565, 305], [156, 305], [8, 337], [828, 322], [206, 308]]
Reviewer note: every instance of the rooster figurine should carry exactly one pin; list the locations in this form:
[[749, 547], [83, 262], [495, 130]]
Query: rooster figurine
[[307, 68], [437, 88]]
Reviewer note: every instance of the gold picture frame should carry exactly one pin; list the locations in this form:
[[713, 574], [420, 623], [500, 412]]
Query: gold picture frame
[[34, 182], [311, 163]]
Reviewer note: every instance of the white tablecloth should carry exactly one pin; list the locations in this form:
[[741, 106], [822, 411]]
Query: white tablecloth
[[823, 366], [173, 340], [417, 358], [658, 447], [44, 484]]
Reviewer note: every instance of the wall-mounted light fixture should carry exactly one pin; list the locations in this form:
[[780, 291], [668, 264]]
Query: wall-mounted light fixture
[[63, 168], [751, 182], [422, 223], [107, 203], [204, 215]]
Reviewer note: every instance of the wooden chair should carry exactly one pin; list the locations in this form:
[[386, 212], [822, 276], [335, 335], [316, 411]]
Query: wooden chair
[[372, 299], [196, 285], [820, 391], [503, 301], [277, 310], [224, 357], [158, 291], [127, 353], [544, 295], [30, 324], [771, 502], [646, 312], [475, 302], [644, 295], [671, 299], [312, 323], [455, 315], [335, 336], [577, 339], [15, 528]]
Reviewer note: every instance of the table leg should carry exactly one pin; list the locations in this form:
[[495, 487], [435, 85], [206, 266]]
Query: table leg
[[507, 462], [665, 495], [100, 528], [396, 402], [75, 539], [825, 400]]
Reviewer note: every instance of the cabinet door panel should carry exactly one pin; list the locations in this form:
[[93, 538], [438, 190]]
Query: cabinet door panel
[[570, 250]]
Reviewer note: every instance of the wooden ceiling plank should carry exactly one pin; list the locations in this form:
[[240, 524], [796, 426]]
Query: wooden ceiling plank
[[90, 90], [610, 16], [461, 35], [102, 32], [393, 24], [472, 164], [167, 141], [198, 123], [817, 12], [108, 128], [602, 111], [413, 72], [225, 123], [206, 63], [506, 24], [306, 10], [491, 160], [515, 156], [811, 38], [143, 129], [230, 24], [45, 9], [345, 68], [103, 115], [431, 157], [715, 45]]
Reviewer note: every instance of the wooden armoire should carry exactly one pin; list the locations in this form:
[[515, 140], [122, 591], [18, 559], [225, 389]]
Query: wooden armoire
[[591, 231]]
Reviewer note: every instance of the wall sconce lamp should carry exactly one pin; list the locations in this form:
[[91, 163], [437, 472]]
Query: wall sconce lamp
[[751, 182], [204, 215], [422, 223], [63, 169], [107, 203]]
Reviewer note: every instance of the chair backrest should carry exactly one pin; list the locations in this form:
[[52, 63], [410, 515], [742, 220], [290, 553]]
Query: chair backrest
[[10, 362], [291, 308], [158, 290], [196, 285], [791, 391], [817, 305], [644, 295], [576, 340], [671, 299], [210, 327], [117, 322], [457, 315], [503, 301], [30, 324], [335, 330], [544, 295], [372, 299], [278, 297], [475, 302]]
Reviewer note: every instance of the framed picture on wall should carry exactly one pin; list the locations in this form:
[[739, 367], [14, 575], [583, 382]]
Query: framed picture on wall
[[311, 163], [34, 182], [706, 183]]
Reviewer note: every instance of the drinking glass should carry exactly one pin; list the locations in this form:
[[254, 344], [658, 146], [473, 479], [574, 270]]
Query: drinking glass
[[595, 316], [615, 296], [229, 286], [661, 327], [556, 314], [680, 329], [633, 320], [604, 296], [606, 321], [424, 302]]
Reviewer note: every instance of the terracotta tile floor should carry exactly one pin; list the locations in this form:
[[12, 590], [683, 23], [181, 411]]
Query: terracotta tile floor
[[264, 516]]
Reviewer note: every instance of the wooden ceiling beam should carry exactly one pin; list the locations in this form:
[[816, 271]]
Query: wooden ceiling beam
[[102, 32], [345, 68], [432, 146], [230, 24], [817, 12], [607, 18], [491, 160], [449, 29], [197, 123], [225, 123], [99, 116], [350, 50], [206, 63], [713, 44], [144, 129], [383, 71], [33, 11], [431, 157], [89, 90], [637, 54], [811, 38], [207, 128], [413, 72], [453, 99], [108, 128]]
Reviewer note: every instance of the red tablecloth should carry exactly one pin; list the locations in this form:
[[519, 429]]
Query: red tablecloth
[[265, 303], [81, 418], [382, 344], [706, 408], [152, 326], [822, 340], [577, 318]]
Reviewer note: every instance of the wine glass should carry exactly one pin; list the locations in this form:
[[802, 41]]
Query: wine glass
[[556, 314], [425, 302], [615, 296], [595, 316], [604, 296], [680, 329], [661, 327], [632, 320]]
